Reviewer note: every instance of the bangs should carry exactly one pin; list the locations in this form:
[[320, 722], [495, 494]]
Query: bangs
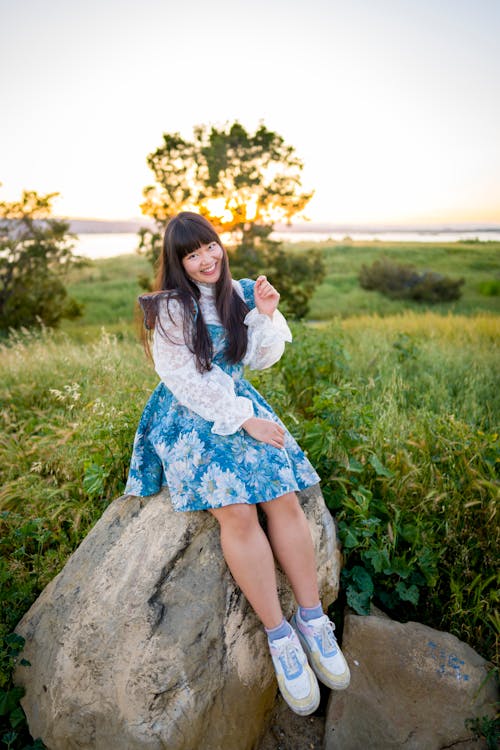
[[190, 234]]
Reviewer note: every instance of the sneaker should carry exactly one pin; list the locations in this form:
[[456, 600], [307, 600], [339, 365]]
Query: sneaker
[[297, 683], [325, 657]]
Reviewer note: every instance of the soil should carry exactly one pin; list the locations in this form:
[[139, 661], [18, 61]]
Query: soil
[[287, 731]]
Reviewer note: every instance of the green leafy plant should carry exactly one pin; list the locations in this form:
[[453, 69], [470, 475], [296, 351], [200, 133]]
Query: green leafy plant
[[486, 727], [35, 251]]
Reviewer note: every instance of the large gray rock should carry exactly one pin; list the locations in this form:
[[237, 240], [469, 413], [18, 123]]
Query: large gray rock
[[143, 642], [412, 687]]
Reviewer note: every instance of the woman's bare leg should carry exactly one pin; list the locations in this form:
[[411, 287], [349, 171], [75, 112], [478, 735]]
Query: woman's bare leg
[[293, 547], [249, 557]]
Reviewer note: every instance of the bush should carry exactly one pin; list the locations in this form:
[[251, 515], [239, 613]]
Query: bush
[[489, 288], [410, 478], [296, 274], [405, 282], [35, 251]]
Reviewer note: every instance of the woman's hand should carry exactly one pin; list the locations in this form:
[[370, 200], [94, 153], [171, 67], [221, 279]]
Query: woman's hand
[[265, 431], [266, 296]]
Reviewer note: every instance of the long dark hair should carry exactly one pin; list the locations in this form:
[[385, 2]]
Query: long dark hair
[[184, 233]]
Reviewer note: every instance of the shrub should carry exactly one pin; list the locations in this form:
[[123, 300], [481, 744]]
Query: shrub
[[35, 251], [411, 483], [489, 288], [400, 281]]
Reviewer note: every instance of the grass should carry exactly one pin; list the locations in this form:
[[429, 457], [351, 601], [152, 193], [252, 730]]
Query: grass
[[396, 404], [341, 295], [109, 287]]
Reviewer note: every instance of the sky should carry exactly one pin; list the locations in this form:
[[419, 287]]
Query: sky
[[392, 105]]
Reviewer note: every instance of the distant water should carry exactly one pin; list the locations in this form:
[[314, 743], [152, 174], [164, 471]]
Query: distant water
[[110, 245]]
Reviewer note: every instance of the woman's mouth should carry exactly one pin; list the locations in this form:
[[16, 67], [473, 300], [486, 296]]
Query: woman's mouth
[[210, 269]]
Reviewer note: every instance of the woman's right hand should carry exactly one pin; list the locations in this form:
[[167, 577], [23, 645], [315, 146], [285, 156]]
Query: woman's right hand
[[266, 431]]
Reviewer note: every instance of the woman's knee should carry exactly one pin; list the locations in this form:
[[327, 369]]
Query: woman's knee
[[285, 505], [238, 518]]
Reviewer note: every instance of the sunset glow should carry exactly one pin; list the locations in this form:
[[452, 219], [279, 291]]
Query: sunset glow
[[393, 107]]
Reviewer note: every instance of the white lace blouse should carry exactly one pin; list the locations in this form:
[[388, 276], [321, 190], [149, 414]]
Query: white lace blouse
[[211, 394]]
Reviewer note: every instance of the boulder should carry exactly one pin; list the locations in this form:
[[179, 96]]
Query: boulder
[[143, 641], [412, 687]]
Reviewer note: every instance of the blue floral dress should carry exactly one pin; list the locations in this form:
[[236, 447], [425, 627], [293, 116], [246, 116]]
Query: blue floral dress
[[190, 437]]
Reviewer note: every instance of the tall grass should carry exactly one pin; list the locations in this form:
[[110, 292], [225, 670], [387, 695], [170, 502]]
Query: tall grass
[[400, 416], [398, 413]]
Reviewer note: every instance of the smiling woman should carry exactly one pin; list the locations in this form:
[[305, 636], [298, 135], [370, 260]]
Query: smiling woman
[[210, 437]]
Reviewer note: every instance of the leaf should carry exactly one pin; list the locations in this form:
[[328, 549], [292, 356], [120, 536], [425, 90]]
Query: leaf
[[400, 567], [17, 717], [361, 578], [9, 700], [408, 593], [359, 601], [94, 479], [355, 466], [9, 737], [378, 558], [350, 540], [380, 469], [15, 641]]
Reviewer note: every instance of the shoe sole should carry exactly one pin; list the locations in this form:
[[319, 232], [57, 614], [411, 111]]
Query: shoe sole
[[317, 670], [303, 710]]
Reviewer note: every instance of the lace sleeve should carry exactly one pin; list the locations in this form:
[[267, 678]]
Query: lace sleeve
[[210, 394], [266, 339]]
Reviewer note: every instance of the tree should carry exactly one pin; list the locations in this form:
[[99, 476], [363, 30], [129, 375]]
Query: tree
[[242, 184], [35, 251]]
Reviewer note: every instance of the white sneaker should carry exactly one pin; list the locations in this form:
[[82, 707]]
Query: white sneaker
[[297, 683], [325, 657]]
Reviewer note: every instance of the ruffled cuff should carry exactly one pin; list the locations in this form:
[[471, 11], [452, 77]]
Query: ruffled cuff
[[227, 424], [270, 329]]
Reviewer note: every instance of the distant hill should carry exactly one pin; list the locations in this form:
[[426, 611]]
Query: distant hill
[[130, 226], [105, 226]]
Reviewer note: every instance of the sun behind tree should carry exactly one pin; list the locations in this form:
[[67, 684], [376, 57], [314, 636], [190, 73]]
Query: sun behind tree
[[243, 184]]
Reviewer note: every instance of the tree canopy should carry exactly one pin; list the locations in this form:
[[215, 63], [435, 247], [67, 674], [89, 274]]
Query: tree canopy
[[243, 184], [235, 179], [35, 251]]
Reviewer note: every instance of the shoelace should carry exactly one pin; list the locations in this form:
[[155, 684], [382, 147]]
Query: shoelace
[[288, 655], [328, 641]]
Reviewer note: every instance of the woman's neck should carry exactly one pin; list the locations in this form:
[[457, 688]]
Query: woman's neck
[[205, 288]]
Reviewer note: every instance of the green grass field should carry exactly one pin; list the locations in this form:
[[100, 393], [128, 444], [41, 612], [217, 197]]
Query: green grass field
[[397, 405], [108, 287], [340, 293]]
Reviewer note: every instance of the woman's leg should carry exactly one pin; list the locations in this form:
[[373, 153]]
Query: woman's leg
[[250, 559], [293, 547]]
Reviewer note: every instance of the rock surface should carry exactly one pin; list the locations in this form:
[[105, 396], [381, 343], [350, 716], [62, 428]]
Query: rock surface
[[143, 641], [412, 687], [288, 731]]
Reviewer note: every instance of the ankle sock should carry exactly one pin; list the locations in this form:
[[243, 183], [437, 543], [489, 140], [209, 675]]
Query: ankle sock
[[281, 631], [310, 613]]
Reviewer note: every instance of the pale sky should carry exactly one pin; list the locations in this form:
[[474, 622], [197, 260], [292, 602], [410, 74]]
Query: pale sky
[[393, 105]]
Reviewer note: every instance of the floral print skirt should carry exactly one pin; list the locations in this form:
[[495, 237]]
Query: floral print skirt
[[175, 447]]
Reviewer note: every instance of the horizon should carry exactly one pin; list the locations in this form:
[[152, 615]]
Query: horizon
[[319, 226]]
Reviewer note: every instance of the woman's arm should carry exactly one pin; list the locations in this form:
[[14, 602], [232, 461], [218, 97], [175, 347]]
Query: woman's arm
[[267, 328]]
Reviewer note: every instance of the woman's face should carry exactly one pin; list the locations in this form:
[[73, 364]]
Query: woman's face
[[205, 263]]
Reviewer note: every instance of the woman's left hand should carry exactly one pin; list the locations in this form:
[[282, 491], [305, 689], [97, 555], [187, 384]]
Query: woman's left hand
[[266, 296]]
